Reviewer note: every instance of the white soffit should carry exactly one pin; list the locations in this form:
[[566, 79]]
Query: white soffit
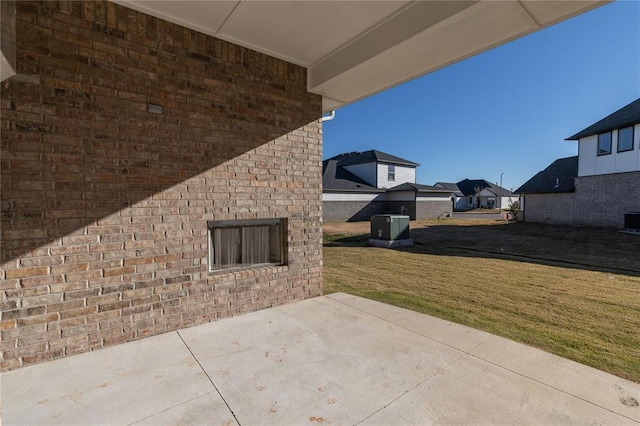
[[354, 49]]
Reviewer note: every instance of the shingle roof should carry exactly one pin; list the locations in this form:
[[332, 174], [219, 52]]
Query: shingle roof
[[335, 177], [449, 186], [372, 156], [558, 177], [468, 187], [625, 116], [418, 188]]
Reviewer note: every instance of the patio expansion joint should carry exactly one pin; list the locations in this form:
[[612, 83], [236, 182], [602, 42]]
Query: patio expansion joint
[[540, 382], [463, 352], [406, 392], [461, 355], [470, 353], [167, 409], [209, 377]]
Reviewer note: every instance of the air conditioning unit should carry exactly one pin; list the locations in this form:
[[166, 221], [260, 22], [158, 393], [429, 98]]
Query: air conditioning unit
[[632, 220], [390, 230]]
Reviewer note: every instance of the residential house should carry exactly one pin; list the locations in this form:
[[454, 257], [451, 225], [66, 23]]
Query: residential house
[[377, 168], [161, 164], [478, 193], [600, 185], [549, 192], [357, 185]]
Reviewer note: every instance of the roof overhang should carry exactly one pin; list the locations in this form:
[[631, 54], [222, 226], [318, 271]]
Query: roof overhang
[[354, 49], [7, 39], [354, 191]]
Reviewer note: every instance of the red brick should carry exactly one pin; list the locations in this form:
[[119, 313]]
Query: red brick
[[26, 272], [7, 325]]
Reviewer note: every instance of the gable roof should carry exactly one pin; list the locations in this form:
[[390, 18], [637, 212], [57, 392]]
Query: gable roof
[[416, 187], [625, 116], [558, 177], [335, 177], [371, 157], [468, 187], [450, 186]]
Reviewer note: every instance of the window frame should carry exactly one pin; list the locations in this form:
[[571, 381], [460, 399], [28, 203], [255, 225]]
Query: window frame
[[243, 224], [600, 151], [391, 173], [632, 138]]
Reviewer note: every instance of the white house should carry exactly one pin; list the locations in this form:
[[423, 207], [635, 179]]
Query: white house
[[378, 168], [599, 186], [478, 193], [357, 185], [609, 151]]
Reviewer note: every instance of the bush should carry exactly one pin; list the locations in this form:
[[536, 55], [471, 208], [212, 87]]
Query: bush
[[513, 210]]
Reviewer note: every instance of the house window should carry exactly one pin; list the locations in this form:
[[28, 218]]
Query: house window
[[604, 143], [391, 175], [625, 139], [239, 244]]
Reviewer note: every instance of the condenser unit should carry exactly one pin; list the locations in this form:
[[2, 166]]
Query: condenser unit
[[390, 230]]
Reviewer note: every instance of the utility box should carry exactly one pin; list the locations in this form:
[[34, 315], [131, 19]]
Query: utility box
[[389, 227], [390, 230], [632, 220]]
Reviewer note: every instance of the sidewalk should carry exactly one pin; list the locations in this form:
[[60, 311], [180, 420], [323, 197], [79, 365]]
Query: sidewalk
[[335, 359]]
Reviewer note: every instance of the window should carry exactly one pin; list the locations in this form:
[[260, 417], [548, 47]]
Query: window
[[625, 139], [604, 143], [391, 173], [235, 244]]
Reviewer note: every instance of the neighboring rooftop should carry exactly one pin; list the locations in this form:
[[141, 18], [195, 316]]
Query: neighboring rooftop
[[451, 187], [335, 177], [558, 177], [372, 156], [625, 116], [418, 188], [473, 186]]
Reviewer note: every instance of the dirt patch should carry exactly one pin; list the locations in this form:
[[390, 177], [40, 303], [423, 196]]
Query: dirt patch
[[603, 249], [593, 248]]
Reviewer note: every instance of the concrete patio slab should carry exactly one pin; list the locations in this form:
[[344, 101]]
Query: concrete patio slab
[[314, 361], [462, 393], [116, 385], [208, 409], [335, 359], [586, 383], [446, 332]]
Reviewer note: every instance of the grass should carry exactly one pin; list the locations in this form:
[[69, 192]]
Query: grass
[[569, 291]]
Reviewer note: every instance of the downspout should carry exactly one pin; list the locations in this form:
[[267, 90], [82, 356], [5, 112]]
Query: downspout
[[329, 117]]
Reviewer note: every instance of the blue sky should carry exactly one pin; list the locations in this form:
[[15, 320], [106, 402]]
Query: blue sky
[[507, 110]]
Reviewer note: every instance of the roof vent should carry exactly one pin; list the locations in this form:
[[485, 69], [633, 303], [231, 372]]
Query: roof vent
[[557, 183]]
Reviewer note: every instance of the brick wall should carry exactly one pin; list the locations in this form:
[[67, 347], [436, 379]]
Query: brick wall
[[597, 201], [105, 206], [433, 209], [351, 211], [603, 200], [555, 209]]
